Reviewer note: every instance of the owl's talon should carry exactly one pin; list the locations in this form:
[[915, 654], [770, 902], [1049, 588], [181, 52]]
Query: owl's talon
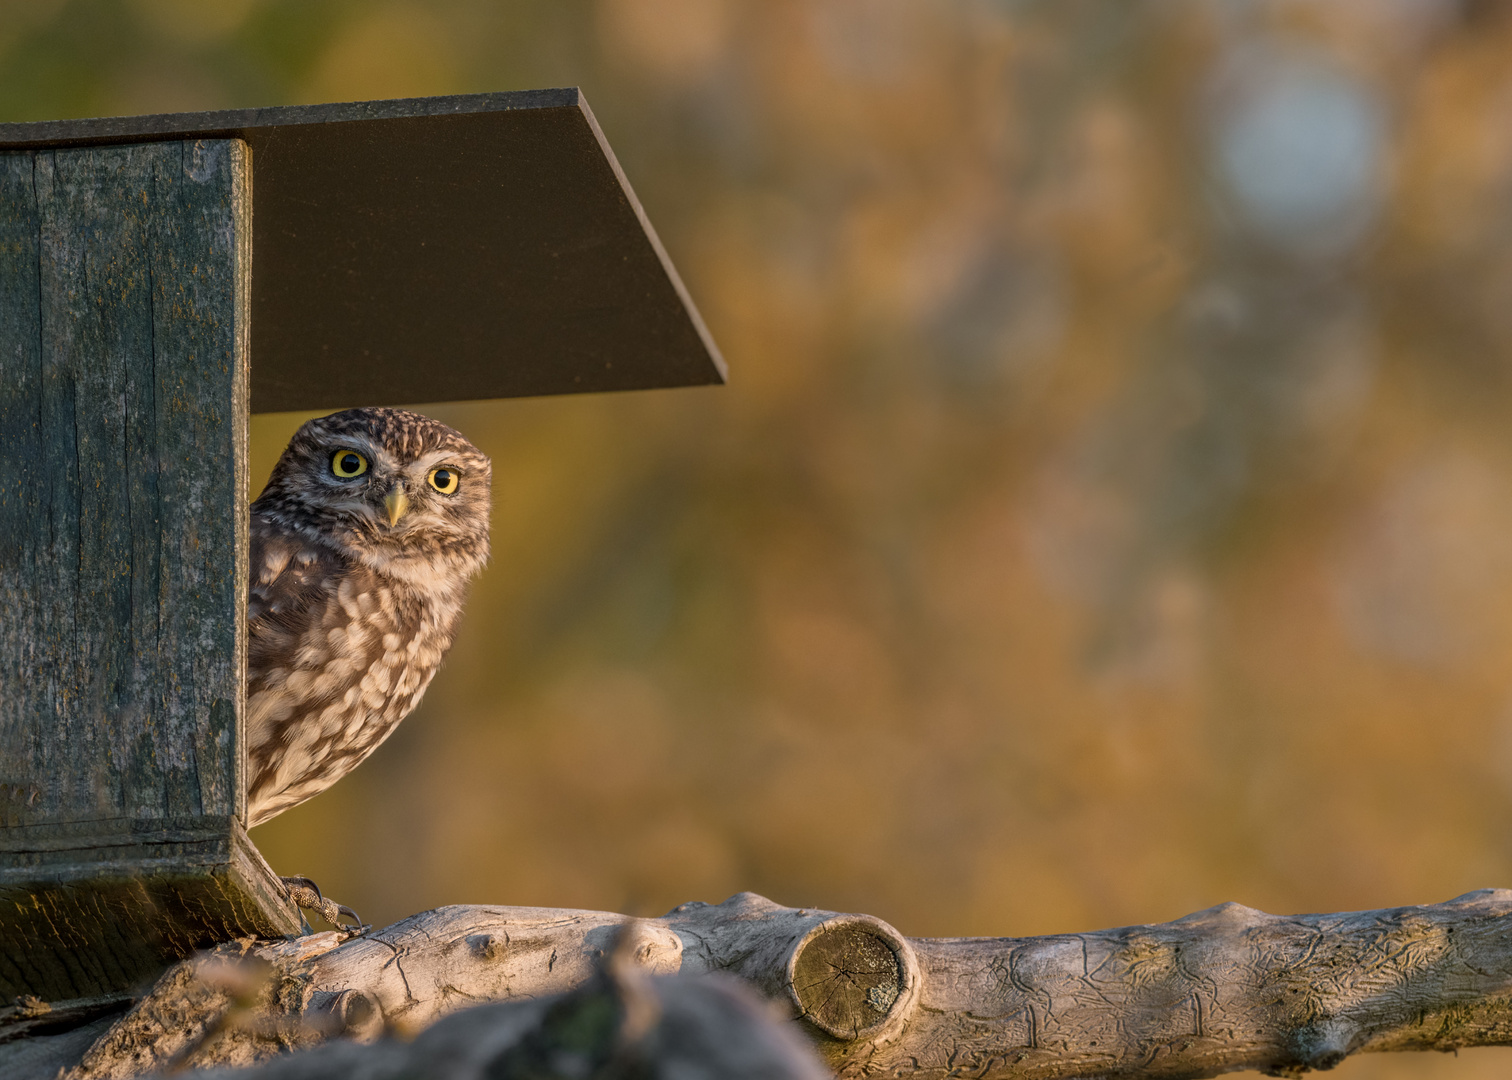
[[358, 927], [307, 895]]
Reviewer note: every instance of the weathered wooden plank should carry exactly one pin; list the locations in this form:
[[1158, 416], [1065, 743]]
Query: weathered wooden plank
[[201, 270], [128, 595], [124, 277], [24, 522]]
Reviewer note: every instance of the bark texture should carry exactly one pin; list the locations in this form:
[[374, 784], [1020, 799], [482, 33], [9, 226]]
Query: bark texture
[[623, 1024], [1228, 988]]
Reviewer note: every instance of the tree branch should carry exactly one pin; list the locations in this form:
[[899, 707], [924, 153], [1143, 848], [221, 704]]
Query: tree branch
[[1228, 988]]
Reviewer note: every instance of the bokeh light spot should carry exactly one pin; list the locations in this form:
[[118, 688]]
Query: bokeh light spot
[[1299, 149]]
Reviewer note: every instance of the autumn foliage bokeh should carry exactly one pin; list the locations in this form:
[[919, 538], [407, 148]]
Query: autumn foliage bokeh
[[1110, 511]]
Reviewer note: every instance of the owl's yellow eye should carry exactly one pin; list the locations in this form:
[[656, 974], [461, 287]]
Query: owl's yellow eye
[[444, 480], [348, 463]]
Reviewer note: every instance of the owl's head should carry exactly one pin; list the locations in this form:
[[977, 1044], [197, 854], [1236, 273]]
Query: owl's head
[[392, 488]]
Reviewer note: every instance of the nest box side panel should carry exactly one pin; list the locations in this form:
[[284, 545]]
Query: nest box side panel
[[124, 277]]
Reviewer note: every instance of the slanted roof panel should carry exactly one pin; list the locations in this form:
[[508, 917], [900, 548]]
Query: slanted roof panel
[[440, 249]]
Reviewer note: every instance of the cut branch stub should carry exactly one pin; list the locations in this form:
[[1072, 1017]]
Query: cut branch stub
[[853, 977]]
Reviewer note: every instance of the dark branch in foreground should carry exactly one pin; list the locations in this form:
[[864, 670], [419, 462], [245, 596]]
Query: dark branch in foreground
[[1225, 989]]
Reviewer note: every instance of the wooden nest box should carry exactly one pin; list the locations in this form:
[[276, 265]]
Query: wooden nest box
[[160, 278]]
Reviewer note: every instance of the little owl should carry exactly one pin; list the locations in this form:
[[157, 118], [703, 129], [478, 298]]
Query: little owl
[[362, 546]]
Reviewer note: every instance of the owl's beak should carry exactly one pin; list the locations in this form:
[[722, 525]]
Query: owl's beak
[[396, 502]]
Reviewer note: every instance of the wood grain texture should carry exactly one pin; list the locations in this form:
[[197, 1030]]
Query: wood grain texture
[[123, 445], [1225, 989], [122, 672]]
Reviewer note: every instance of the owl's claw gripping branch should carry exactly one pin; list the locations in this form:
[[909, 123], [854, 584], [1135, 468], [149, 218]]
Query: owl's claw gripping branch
[[308, 896]]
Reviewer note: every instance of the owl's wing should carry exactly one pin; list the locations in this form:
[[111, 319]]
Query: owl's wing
[[289, 586], [317, 626]]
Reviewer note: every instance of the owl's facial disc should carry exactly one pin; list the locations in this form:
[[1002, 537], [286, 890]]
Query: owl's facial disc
[[403, 493]]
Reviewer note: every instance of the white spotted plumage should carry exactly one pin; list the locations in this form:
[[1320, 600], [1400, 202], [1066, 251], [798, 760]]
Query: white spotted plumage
[[350, 612]]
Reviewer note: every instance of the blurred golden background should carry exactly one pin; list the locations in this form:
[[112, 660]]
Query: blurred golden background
[[1110, 512]]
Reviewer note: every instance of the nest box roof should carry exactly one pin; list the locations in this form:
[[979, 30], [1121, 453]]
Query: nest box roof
[[439, 249]]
